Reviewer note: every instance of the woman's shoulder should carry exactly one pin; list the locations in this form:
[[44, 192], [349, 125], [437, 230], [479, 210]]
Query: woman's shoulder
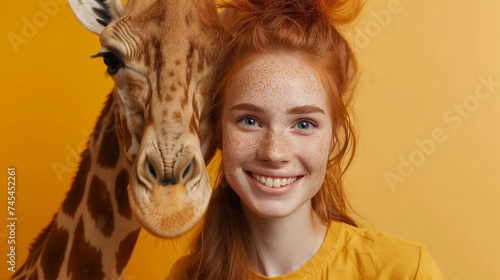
[[363, 239], [382, 254]]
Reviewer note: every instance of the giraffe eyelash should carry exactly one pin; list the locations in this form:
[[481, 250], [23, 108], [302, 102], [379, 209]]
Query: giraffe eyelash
[[112, 61]]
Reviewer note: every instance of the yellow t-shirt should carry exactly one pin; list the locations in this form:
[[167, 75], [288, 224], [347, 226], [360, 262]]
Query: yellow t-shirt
[[350, 253]]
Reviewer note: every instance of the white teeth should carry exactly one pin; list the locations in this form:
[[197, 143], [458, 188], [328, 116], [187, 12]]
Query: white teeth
[[274, 183], [269, 182], [277, 183]]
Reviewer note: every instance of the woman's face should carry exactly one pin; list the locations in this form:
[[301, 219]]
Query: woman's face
[[276, 135]]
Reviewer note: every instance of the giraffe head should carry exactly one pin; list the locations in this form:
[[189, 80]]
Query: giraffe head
[[158, 53]]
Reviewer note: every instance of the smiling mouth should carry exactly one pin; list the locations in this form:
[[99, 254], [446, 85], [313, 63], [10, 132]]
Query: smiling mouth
[[273, 182]]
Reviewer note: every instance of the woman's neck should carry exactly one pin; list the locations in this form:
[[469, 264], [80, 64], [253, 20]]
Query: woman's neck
[[285, 244]]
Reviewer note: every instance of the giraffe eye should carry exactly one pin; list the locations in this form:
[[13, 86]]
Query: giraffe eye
[[111, 60]]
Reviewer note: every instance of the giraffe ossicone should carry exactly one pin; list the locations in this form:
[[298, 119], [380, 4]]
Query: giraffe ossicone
[[144, 164]]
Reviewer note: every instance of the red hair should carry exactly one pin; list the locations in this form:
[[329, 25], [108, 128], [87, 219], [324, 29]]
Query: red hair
[[305, 29]]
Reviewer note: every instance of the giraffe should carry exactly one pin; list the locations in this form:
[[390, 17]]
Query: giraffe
[[143, 165]]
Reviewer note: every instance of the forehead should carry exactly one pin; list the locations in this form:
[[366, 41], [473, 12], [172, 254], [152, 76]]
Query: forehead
[[270, 78]]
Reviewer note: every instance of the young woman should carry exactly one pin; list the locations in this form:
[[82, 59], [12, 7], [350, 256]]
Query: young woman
[[280, 117]]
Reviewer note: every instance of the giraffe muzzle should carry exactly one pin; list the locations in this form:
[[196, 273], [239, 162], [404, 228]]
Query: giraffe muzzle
[[170, 189], [157, 175]]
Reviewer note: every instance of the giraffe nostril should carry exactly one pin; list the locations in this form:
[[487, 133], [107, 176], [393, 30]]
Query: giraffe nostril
[[151, 169], [188, 169]]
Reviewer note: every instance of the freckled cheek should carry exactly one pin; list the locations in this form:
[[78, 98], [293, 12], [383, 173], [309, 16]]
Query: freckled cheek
[[236, 144], [315, 150]]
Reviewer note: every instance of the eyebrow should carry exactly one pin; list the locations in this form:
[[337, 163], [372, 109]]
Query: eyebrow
[[298, 110], [306, 109], [247, 107]]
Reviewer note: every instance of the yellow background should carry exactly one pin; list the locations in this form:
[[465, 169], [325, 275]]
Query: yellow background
[[417, 66]]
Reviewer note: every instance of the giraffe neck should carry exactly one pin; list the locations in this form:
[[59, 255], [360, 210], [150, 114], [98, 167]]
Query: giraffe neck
[[94, 233]]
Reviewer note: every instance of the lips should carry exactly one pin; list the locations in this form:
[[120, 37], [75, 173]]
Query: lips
[[273, 182]]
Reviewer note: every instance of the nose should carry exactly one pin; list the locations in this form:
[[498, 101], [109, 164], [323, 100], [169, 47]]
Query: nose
[[152, 169], [275, 147]]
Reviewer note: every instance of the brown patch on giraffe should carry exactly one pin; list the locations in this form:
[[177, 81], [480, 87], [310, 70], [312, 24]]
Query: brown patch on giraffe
[[177, 62], [158, 62], [138, 135], [146, 46], [100, 207], [110, 147], [52, 256], [102, 117], [85, 261], [190, 62], [157, 13], [172, 87], [169, 98], [164, 112], [193, 127], [171, 74], [121, 194], [177, 117], [201, 58], [75, 194], [125, 250], [184, 100]]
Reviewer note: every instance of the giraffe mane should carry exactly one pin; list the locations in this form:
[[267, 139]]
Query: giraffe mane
[[35, 248], [37, 243]]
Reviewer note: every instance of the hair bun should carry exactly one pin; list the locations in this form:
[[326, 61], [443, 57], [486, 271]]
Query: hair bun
[[336, 12]]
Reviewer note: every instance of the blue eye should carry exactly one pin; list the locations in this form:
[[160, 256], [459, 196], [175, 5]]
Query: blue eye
[[249, 121], [303, 125]]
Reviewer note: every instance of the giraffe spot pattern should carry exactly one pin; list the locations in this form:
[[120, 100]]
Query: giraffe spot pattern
[[177, 117], [75, 194], [100, 207], [85, 261], [110, 149], [53, 253], [158, 63], [121, 194], [172, 87], [125, 250]]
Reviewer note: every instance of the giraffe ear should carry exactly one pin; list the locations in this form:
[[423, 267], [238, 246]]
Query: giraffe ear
[[95, 15]]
